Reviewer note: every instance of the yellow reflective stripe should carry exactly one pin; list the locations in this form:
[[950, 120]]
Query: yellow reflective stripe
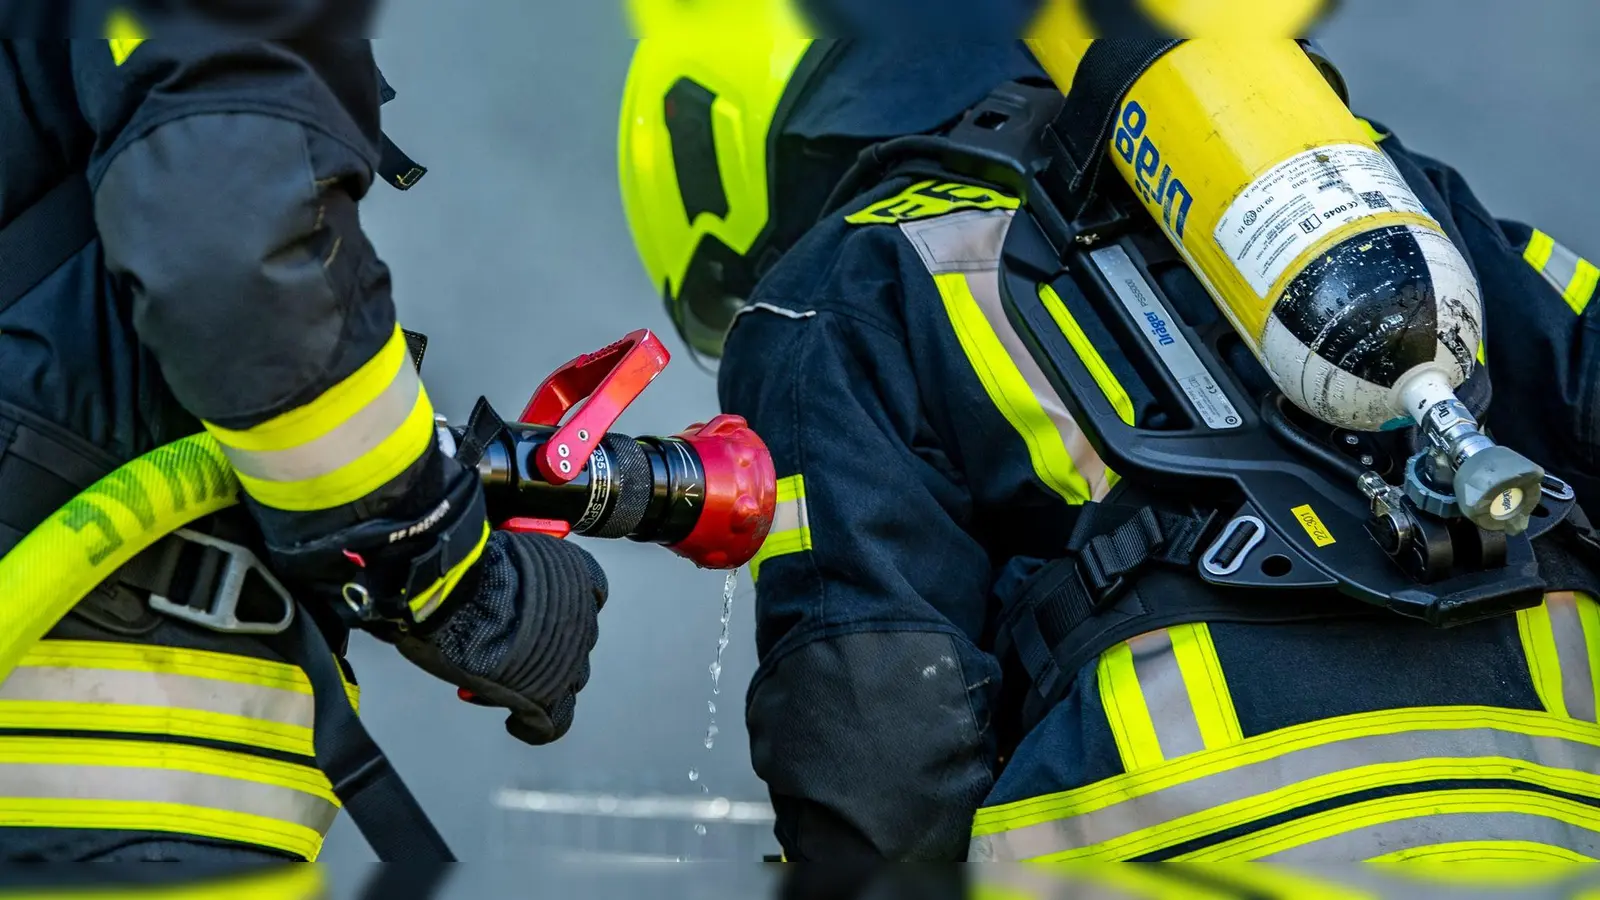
[[425, 603], [278, 882], [1009, 390], [353, 439], [1208, 689], [174, 818], [931, 199], [1544, 663], [1538, 251], [1340, 820], [1473, 851], [76, 761], [155, 720], [178, 757], [333, 408], [175, 661], [349, 483], [791, 524], [1482, 353], [1589, 615], [124, 35], [1132, 726], [1324, 732], [1109, 385], [1581, 290], [1377, 136]]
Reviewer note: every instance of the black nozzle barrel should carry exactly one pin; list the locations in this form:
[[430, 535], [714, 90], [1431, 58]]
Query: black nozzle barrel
[[647, 488]]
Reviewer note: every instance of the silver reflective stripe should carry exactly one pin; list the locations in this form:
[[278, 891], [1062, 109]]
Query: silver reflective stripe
[[152, 689], [970, 243], [346, 443], [790, 515], [1368, 841], [1577, 676], [1264, 775], [1561, 268], [1165, 694], [153, 785]]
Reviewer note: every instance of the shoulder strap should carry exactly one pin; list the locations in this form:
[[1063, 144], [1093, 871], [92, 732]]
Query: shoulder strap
[[363, 779], [1083, 128], [46, 235]]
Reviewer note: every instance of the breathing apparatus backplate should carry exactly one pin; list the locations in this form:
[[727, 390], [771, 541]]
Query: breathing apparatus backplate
[[1229, 446]]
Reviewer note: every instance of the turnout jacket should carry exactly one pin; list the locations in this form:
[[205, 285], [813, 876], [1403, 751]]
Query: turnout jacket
[[925, 464], [225, 284]]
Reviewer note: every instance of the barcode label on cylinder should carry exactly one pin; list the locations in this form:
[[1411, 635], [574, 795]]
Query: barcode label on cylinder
[[1312, 194]]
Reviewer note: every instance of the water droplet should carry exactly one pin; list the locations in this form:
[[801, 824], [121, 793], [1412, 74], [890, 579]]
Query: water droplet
[[694, 774], [711, 735], [712, 706], [699, 829], [930, 671]]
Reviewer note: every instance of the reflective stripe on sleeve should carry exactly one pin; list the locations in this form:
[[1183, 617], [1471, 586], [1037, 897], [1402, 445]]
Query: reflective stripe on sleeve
[[1165, 697], [428, 601], [791, 524], [347, 443], [1574, 277], [1267, 782], [962, 253], [1561, 640]]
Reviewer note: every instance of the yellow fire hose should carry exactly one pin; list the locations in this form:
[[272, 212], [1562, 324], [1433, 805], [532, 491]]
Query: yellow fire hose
[[100, 530]]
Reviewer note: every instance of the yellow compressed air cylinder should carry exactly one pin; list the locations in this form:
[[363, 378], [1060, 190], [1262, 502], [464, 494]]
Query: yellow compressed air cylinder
[[1346, 289]]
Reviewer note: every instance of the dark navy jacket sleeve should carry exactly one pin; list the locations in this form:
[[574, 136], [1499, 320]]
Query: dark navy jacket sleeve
[[226, 173], [869, 715]]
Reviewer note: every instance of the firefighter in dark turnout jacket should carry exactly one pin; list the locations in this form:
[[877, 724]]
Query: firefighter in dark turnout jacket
[[200, 194], [928, 469]]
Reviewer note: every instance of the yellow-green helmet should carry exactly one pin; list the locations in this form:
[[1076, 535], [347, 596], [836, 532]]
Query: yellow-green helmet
[[708, 80]]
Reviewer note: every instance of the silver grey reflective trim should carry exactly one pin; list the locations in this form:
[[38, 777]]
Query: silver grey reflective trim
[[351, 440], [1257, 778], [151, 785], [1366, 842], [150, 689], [1561, 268], [1577, 679], [789, 516], [967, 242], [775, 310], [970, 243], [1165, 695]]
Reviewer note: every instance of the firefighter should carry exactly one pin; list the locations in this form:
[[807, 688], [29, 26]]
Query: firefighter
[[180, 250], [929, 474]]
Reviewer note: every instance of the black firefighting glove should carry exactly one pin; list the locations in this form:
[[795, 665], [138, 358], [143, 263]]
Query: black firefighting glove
[[510, 618], [522, 642]]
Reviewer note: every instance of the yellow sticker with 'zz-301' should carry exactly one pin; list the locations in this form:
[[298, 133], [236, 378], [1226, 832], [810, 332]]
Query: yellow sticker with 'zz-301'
[[1320, 535]]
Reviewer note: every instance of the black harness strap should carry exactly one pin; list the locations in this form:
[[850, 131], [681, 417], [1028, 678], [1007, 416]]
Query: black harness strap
[[1084, 126], [47, 234], [363, 779]]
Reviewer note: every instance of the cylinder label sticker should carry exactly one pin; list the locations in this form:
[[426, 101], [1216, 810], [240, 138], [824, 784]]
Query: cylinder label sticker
[[1170, 344], [1299, 200]]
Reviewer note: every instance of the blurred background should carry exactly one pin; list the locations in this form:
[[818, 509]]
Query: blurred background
[[513, 256]]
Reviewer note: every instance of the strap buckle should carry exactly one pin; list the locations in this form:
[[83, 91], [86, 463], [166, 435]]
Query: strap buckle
[[220, 583]]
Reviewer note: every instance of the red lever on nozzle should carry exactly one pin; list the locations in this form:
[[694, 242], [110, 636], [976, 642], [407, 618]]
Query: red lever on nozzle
[[608, 379]]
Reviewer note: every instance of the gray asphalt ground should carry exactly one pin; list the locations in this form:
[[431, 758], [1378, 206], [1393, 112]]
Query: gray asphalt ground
[[513, 256]]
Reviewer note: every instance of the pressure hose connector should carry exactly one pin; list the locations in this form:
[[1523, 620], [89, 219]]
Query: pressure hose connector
[[707, 493]]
